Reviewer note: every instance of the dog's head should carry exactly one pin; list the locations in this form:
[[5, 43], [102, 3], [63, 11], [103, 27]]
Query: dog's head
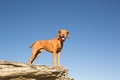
[[63, 34]]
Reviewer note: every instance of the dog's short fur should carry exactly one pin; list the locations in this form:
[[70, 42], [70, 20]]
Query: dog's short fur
[[54, 46]]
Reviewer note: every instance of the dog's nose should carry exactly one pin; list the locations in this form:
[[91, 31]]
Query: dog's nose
[[62, 35]]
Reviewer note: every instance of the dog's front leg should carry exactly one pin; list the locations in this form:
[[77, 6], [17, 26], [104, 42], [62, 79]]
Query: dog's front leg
[[58, 56], [54, 60]]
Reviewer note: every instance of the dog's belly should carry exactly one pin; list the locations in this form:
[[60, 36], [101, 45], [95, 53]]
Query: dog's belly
[[52, 51]]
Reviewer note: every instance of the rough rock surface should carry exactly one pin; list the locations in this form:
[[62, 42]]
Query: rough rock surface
[[22, 71]]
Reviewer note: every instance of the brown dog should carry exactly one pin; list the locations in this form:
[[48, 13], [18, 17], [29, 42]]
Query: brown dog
[[54, 46]]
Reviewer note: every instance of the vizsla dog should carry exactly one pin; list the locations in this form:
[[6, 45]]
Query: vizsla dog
[[54, 46]]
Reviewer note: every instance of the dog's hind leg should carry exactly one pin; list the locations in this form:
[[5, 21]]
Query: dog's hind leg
[[35, 54]]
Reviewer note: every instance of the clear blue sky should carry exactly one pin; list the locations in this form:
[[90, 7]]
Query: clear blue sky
[[91, 53]]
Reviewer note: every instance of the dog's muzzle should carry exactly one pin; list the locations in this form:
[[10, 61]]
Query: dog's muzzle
[[63, 38]]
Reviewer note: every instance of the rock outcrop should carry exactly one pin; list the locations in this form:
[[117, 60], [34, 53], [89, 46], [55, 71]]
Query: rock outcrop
[[21, 71]]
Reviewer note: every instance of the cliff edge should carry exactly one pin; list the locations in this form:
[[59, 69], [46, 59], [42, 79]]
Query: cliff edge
[[21, 71]]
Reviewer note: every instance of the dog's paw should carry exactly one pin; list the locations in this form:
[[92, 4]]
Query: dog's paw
[[58, 67]]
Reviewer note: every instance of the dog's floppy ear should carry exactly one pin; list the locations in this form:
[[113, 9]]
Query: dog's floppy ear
[[59, 32], [68, 34]]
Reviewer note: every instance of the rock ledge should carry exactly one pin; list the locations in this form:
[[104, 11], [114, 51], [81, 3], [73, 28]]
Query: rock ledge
[[21, 71]]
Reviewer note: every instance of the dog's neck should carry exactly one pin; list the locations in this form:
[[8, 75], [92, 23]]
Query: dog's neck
[[62, 41]]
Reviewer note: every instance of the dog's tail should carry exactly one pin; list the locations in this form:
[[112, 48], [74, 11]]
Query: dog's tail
[[31, 45]]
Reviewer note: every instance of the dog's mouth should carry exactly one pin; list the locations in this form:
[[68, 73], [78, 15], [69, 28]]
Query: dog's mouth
[[63, 38]]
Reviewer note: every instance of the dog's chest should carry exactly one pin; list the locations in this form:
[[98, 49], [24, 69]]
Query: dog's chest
[[59, 46]]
